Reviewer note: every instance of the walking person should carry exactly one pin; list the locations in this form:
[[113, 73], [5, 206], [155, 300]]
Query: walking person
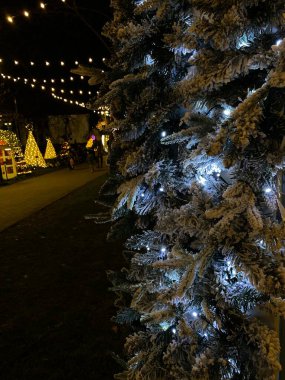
[[99, 150], [91, 159]]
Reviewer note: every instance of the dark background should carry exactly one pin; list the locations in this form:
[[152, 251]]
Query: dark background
[[65, 31]]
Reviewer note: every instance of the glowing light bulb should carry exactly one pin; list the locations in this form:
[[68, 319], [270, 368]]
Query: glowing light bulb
[[42, 5], [103, 59], [10, 19], [52, 89], [90, 60], [76, 62], [16, 62], [163, 250], [32, 63], [62, 91], [195, 314], [71, 91], [173, 330], [267, 190], [34, 80], [278, 42], [142, 195], [81, 77], [227, 111], [80, 92], [202, 180], [26, 13], [89, 92], [43, 87], [62, 80], [52, 80], [161, 189], [71, 78], [45, 81], [62, 63], [47, 63], [102, 71], [163, 134], [1, 60]]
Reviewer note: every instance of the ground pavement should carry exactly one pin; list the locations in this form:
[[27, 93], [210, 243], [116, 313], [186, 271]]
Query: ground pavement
[[23, 198], [55, 306]]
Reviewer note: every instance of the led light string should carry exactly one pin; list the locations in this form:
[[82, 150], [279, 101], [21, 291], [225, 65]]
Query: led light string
[[48, 63], [34, 82], [44, 88], [26, 14]]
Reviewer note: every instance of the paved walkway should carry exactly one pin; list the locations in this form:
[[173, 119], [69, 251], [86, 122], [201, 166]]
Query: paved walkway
[[22, 199]]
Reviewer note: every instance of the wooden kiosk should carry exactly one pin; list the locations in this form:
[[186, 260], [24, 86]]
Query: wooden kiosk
[[8, 168]]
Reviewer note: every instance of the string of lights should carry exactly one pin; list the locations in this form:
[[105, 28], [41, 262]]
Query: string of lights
[[52, 91], [43, 83], [47, 63], [25, 13]]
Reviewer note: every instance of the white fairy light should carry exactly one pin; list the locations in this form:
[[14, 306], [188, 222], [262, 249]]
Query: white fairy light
[[163, 250], [267, 190], [195, 314], [90, 60], [202, 180], [173, 330], [161, 189], [227, 111], [278, 42], [163, 133]]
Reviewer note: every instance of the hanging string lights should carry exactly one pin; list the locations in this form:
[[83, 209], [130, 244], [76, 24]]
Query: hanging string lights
[[32, 83]]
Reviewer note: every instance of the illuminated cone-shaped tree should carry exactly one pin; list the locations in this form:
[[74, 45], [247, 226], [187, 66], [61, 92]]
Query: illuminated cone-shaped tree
[[50, 152], [197, 185], [33, 156]]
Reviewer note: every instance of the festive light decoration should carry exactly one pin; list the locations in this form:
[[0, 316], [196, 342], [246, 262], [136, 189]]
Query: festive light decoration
[[50, 152], [33, 156], [52, 90], [15, 145], [48, 63]]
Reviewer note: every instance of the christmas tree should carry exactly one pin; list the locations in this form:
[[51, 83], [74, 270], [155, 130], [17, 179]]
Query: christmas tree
[[50, 152], [197, 97], [33, 156]]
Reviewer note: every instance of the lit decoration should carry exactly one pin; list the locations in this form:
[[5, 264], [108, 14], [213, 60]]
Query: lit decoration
[[42, 5], [14, 143], [163, 134], [227, 111], [7, 162], [33, 155], [267, 190], [52, 90], [50, 152], [10, 19], [26, 13]]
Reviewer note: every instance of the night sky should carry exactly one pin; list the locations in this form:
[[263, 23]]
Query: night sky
[[54, 34]]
